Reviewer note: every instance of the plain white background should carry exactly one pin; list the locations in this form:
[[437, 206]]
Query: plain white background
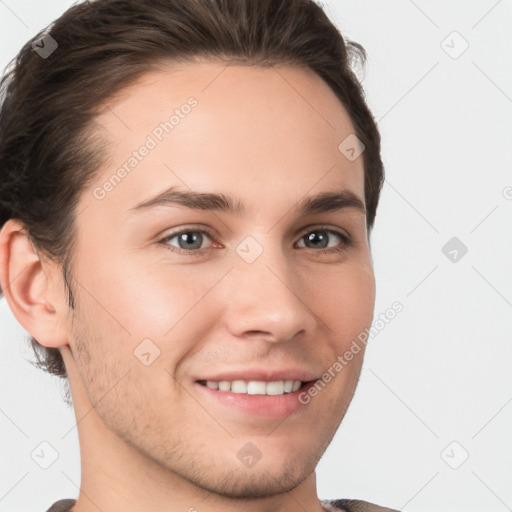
[[429, 427]]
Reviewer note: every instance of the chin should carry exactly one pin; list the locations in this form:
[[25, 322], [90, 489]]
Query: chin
[[253, 483]]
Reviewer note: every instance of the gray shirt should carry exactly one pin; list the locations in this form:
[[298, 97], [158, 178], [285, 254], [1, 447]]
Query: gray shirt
[[329, 505]]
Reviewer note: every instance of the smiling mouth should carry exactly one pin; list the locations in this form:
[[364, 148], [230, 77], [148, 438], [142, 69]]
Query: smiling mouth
[[255, 387]]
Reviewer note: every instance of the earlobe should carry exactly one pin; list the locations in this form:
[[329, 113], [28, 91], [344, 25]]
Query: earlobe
[[26, 282]]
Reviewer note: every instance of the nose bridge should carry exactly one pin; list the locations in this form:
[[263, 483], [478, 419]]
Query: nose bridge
[[266, 297]]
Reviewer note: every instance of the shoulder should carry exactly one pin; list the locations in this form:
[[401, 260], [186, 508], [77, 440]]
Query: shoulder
[[61, 506], [355, 506]]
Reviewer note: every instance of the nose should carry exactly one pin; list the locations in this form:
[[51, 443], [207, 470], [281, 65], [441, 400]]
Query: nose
[[267, 299]]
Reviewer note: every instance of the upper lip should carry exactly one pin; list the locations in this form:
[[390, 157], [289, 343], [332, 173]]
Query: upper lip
[[261, 374]]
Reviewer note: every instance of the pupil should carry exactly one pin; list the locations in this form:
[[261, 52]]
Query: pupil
[[314, 237], [189, 238]]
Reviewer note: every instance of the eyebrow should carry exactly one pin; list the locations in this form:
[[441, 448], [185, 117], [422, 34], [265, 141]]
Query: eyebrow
[[323, 202]]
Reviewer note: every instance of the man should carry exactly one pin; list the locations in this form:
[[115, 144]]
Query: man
[[188, 243]]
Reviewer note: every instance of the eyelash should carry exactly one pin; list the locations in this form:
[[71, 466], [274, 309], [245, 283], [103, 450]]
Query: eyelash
[[343, 246]]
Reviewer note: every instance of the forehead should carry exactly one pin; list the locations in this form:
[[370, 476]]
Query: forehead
[[212, 126]]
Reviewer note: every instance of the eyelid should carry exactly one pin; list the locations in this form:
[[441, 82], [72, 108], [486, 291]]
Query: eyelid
[[325, 227]]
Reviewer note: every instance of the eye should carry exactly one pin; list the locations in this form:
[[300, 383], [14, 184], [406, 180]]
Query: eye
[[321, 237], [188, 241]]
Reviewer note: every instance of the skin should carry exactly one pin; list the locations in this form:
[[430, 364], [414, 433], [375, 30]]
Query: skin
[[149, 440]]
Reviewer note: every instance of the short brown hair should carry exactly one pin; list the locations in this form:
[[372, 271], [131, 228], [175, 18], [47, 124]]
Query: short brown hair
[[49, 152]]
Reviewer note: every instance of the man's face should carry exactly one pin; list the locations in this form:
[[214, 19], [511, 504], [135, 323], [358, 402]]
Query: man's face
[[270, 289]]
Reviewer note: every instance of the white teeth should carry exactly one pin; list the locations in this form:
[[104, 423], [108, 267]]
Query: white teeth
[[296, 385], [256, 387], [224, 385], [288, 386], [275, 388], [239, 386]]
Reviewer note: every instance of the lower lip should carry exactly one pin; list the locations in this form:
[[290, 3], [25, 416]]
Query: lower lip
[[266, 406]]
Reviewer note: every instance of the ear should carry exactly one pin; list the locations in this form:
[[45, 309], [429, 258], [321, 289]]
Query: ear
[[30, 286]]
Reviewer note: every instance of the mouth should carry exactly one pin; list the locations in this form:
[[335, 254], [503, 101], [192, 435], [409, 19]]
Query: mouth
[[255, 387], [255, 399], [262, 392]]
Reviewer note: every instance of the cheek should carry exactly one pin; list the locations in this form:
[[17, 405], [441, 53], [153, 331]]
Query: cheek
[[146, 301], [345, 302]]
